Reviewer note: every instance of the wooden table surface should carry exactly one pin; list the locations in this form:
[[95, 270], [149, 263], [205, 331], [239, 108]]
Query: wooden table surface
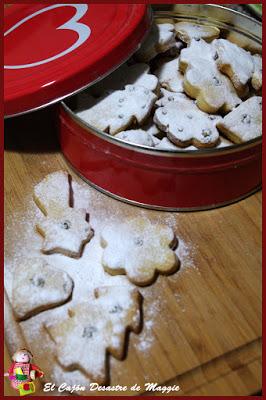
[[207, 335]]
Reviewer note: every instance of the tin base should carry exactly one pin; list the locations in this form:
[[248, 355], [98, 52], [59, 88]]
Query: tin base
[[160, 208]]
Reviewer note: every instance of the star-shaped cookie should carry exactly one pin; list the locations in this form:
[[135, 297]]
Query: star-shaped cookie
[[65, 231]]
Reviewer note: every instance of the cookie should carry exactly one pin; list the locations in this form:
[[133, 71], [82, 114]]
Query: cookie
[[136, 74], [65, 231], [53, 190], [187, 31], [168, 97], [169, 75], [256, 80], [139, 249], [234, 62], [96, 328], [245, 42], [244, 122], [114, 112], [38, 286], [212, 90], [160, 39], [166, 144], [185, 124], [151, 128], [174, 51], [194, 53], [138, 136]]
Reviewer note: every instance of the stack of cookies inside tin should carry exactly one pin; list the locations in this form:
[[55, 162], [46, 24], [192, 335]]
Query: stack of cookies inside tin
[[185, 89]]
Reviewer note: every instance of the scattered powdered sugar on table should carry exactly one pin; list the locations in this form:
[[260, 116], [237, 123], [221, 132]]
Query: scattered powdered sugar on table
[[146, 338], [87, 272]]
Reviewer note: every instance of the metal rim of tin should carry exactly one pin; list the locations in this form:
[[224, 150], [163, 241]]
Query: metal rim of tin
[[161, 208], [60, 99], [203, 152]]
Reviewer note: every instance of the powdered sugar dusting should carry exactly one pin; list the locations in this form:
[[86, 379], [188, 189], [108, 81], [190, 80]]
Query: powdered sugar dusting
[[87, 272]]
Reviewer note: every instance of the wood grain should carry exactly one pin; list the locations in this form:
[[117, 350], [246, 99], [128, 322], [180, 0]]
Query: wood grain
[[210, 308]]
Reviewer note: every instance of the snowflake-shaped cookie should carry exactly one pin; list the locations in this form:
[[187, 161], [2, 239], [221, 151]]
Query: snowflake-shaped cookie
[[38, 286], [139, 249], [65, 231], [96, 328]]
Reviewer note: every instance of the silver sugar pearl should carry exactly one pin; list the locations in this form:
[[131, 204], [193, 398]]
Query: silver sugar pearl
[[206, 132], [246, 119]]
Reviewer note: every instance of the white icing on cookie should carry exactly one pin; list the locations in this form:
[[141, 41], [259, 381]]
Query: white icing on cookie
[[38, 286], [95, 328], [186, 125], [244, 122], [187, 31], [235, 62], [65, 231], [136, 74], [113, 113], [137, 136], [138, 249], [169, 75], [256, 80], [160, 39]]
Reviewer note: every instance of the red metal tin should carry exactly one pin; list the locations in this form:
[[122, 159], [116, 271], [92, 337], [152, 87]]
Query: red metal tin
[[153, 178], [160, 179], [55, 50]]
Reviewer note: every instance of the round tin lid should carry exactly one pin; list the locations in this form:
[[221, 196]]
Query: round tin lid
[[53, 51]]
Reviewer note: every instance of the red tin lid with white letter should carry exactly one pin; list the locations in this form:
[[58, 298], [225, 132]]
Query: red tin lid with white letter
[[53, 51]]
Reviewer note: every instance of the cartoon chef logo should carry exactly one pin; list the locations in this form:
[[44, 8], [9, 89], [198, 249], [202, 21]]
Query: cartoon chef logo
[[22, 372]]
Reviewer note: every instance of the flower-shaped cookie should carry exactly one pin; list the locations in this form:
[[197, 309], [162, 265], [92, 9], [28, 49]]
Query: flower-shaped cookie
[[38, 286], [184, 123], [96, 328], [65, 231], [139, 249]]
